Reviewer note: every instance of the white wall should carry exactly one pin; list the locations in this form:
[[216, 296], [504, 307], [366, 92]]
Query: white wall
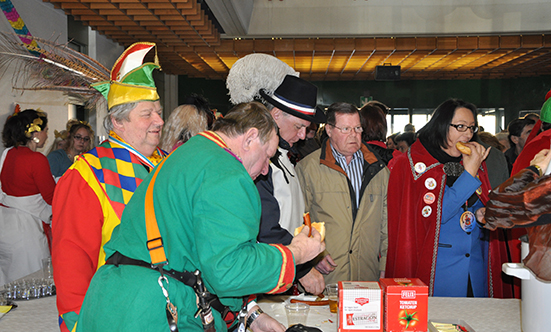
[[320, 18], [44, 21]]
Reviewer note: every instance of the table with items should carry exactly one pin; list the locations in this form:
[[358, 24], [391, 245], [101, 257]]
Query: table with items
[[481, 314]]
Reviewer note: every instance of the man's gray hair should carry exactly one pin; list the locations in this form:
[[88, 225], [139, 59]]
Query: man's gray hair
[[119, 113], [244, 116]]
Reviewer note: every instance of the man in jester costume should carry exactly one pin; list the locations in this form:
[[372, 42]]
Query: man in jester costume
[[172, 227], [91, 196]]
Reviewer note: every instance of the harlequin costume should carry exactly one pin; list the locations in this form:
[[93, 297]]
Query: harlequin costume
[[88, 204], [208, 212], [415, 204], [92, 194]]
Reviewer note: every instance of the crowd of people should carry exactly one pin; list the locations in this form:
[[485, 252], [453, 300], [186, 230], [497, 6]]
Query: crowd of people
[[186, 221]]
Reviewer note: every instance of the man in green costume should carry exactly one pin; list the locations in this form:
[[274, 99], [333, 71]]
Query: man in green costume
[[208, 212]]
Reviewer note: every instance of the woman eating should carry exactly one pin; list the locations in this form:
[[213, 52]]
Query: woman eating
[[434, 193]]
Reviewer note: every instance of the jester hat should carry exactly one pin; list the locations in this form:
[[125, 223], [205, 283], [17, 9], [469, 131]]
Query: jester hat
[[131, 80]]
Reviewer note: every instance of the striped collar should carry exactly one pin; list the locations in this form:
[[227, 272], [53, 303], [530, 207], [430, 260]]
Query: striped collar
[[214, 137], [149, 161]]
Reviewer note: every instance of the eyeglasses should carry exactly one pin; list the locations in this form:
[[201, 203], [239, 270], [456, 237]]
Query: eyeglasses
[[348, 130], [462, 128], [80, 138]]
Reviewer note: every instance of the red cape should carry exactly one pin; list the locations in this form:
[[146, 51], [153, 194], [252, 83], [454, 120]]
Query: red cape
[[540, 142], [412, 238]]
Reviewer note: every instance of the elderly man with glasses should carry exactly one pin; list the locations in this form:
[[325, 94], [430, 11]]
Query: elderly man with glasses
[[345, 185]]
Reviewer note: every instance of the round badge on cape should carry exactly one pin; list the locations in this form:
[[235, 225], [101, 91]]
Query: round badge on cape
[[420, 167], [429, 198], [427, 210], [430, 183], [467, 221]]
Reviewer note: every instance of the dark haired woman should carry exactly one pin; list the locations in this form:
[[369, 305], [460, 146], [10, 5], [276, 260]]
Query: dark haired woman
[[27, 189], [79, 140], [434, 191], [374, 125]]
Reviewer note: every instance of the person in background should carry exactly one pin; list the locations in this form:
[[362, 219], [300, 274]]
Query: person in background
[[532, 116], [519, 130], [374, 131], [80, 138], [404, 141], [491, 140], [385, 109], [186, 121], [344, 184], [434, 191], [60, 141], [391, 142], [92, 194], [27, 188], [503, 139], [409, 128], [535, 144], [207, 217], [306, 146]]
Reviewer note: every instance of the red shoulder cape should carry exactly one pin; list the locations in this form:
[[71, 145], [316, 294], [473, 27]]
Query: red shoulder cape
[[412, 238]]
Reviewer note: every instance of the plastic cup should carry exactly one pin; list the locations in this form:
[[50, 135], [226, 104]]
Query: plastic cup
[[47, 268], [297, 313], [332, 292]]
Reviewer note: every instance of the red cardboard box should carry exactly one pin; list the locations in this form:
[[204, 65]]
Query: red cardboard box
[[405, 304], [360, 306]]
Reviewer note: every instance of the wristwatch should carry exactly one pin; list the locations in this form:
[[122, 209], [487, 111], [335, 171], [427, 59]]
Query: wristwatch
[[253, 316]]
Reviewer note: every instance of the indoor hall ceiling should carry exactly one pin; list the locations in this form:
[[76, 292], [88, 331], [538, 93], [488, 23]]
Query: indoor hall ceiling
[[189, 43]]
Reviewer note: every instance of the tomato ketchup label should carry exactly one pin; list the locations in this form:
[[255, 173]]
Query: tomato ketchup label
[[360, 306], [405, 304]]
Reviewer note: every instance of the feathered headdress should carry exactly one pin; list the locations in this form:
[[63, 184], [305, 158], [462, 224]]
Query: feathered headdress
[[254, 72], [45, 65], [131, 80]]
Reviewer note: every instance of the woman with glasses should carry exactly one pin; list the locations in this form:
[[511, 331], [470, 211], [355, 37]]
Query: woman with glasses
[[434, 193], [27, 190], [80, 140]]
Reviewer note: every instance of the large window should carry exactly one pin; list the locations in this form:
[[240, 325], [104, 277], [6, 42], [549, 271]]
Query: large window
[[491, 119]]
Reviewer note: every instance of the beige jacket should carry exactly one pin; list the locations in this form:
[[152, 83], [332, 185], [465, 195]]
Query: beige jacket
[[358, 245]]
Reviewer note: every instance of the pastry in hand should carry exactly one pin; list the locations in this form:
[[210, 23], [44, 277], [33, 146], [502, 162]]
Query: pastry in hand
[[319, 226], [463, 148]]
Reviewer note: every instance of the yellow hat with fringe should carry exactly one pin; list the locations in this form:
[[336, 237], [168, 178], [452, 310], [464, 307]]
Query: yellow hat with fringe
[[131, 80]]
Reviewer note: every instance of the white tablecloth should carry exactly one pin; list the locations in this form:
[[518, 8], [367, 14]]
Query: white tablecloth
[[482, 314], [32, 315]]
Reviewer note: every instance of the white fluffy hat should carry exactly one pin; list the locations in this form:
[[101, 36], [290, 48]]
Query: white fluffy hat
[[254, 72]]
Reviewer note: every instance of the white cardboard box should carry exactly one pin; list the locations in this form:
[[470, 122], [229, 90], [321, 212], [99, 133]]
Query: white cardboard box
[[360, 306]]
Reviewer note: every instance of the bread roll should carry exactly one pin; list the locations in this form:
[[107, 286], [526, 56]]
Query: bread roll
[[463, 148], [319, 226]]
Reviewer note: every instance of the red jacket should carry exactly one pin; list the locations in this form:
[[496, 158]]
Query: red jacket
[[413, 238]]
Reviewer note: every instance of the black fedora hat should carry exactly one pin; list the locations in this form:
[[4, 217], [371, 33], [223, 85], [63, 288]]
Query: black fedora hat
[[296, 97]]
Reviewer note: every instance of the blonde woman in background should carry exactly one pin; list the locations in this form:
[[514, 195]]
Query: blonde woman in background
[[80, 139], [186, 121]]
